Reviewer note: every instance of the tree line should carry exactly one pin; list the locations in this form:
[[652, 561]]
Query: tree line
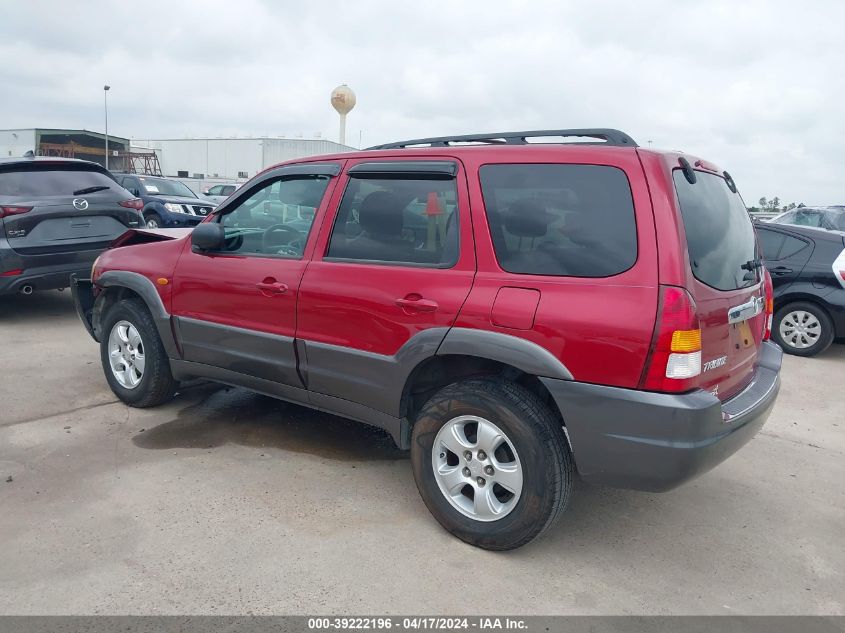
[[773, 206]]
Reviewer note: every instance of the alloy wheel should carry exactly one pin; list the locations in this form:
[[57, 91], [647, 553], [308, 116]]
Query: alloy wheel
[[126, 354], [477, 468]]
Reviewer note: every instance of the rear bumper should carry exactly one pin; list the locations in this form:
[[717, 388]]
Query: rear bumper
[[44, 277], [654, 441]]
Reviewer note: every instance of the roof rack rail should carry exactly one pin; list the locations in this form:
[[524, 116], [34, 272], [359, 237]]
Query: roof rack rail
[[602, 136]]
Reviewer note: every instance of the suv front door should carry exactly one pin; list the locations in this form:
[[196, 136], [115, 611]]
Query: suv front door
[[235, 309], [390, 272]]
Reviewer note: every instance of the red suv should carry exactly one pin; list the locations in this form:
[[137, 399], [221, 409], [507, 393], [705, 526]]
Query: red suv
[[510, 311]]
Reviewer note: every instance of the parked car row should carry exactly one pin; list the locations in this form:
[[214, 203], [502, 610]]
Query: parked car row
[[57, 215]]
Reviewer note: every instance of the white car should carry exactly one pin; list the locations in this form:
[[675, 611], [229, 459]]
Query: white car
[[831, 218], [218, 193]]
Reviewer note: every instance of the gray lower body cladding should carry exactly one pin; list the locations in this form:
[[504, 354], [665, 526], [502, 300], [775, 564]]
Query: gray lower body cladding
[[655, 442], [620, 437]]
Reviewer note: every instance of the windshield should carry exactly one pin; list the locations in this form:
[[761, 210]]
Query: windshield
[[162, 187], [831, 219], [720, 236], [36, 181]]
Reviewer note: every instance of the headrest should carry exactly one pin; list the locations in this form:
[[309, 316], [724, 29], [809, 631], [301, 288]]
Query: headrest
[[381, 214], [527, 219]]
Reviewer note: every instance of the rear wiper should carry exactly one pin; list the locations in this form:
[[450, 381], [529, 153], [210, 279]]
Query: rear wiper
[[79, 192]]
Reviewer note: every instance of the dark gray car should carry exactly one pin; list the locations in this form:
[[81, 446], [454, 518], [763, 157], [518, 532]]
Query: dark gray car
[[56, 216]]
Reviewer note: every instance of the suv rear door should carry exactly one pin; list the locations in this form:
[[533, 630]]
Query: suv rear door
[[726, 285], [394, 263], [62, 208]]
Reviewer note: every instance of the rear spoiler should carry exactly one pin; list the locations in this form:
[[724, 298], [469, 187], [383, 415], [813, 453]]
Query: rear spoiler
[[145, 236]]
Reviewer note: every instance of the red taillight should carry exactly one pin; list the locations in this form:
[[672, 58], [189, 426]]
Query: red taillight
[[134, 203], [674, 359], [6, 211], [770, 304], [12, 273]]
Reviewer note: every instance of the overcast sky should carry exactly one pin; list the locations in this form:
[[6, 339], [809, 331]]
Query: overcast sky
[[756, 87]]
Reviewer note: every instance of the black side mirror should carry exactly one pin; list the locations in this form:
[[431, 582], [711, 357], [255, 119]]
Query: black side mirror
[[208, 236]]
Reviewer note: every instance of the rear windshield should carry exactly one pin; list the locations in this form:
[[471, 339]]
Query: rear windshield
[[36, 181], [720, 236], [554, 219]]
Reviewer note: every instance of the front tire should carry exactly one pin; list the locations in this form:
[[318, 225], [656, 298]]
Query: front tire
[[491, 463], [133, 357], [152, 221], [802, 329]]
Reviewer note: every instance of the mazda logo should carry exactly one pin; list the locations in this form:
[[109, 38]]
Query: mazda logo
[[80, 203]]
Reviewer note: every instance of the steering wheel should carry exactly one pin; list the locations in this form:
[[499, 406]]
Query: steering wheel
[[288, 247]]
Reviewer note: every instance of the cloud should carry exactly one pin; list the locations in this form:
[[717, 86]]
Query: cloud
[[754, 86]]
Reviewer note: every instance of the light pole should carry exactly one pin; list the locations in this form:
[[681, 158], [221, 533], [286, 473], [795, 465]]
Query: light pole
[[106, 89]]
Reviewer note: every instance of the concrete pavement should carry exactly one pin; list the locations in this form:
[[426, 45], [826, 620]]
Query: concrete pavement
[[226, 502]]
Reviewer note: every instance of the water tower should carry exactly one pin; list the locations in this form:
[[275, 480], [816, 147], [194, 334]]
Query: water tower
[[343, 100]]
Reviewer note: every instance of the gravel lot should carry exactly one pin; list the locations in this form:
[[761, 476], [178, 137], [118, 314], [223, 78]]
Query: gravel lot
[[228, 502]]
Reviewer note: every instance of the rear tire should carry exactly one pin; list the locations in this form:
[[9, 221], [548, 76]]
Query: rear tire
[[529, 442], [133, 357], [802, 329]]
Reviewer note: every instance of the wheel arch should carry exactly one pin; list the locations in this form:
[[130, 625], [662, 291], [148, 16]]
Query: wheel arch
[[441, 370], [801, 297], [119, 285], [154, 207]]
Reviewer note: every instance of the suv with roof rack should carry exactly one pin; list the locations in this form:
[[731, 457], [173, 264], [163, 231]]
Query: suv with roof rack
[[500, 307]]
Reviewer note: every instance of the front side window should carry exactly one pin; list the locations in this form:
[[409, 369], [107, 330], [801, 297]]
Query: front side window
[[215, 190], [131, 186], [397, 220], [555, 219], [275, 219]]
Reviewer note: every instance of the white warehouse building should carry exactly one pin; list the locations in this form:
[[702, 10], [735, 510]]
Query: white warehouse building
[[230, 158]]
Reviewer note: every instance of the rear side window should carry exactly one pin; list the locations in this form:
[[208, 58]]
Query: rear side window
[[401, 220], [770, 243], [571, 220], [792, 246], [720, 236], [38, 181]]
